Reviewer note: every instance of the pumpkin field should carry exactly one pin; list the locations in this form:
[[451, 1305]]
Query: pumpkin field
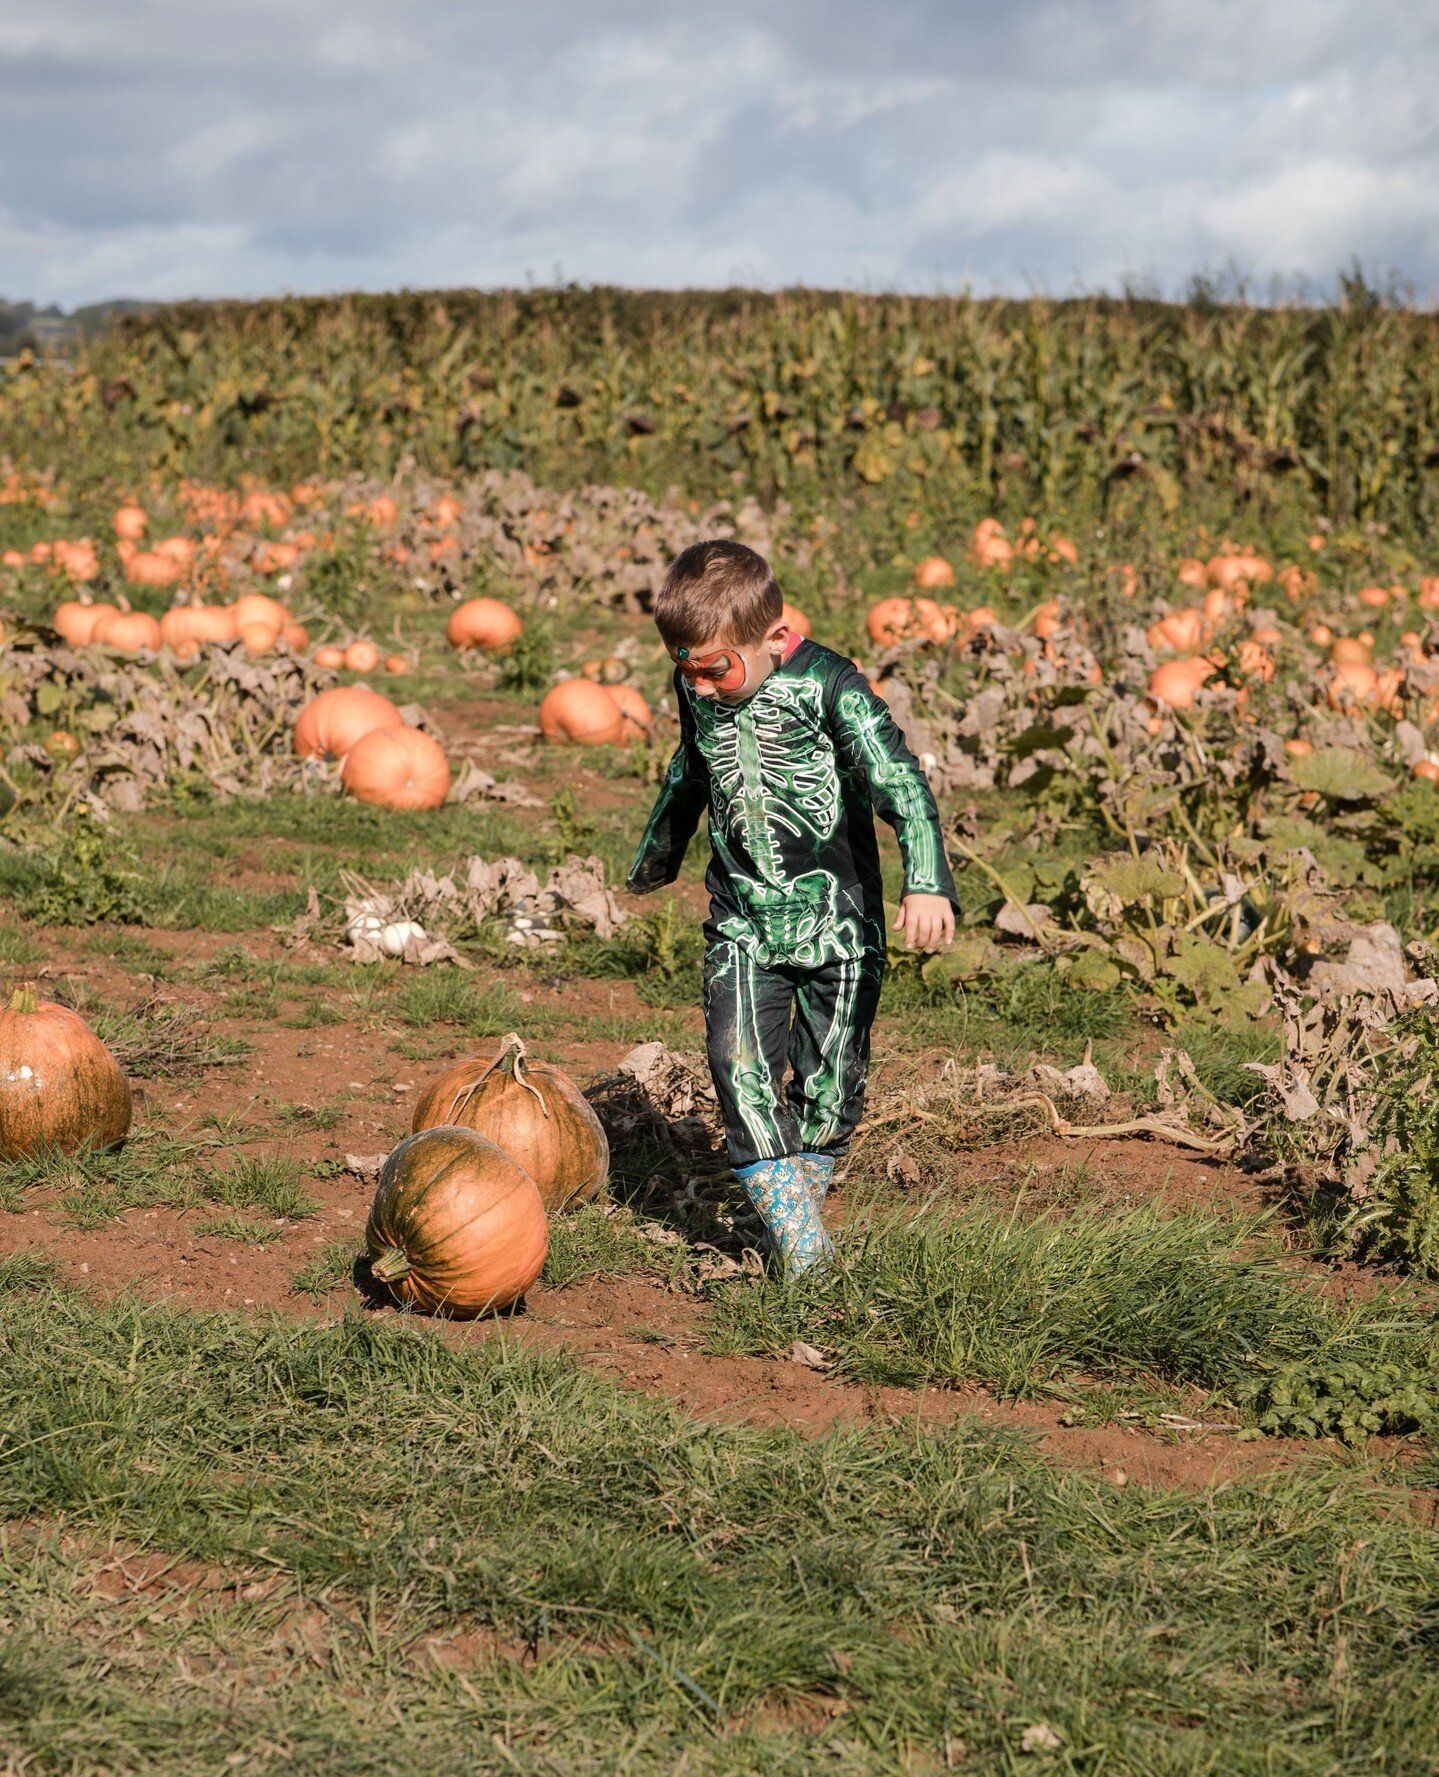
[[391, 1375]]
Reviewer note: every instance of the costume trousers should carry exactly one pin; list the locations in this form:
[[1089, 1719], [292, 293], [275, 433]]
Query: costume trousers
[[815, 1023]]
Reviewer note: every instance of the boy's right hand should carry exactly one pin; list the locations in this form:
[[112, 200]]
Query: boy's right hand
[[927, 922]]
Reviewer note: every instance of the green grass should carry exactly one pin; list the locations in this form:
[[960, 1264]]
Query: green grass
[[152, 1170], [606, 1240], [330, 1268], [241, 1228], [710, 1598], [262, 1181], [1022, 1305]]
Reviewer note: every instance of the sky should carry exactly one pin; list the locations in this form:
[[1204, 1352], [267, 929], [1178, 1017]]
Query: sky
[[173, 148]]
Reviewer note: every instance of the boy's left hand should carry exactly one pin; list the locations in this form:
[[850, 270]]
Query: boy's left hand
[[927, 922]]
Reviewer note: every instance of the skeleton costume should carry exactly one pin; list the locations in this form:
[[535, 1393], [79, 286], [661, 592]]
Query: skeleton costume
[[795, 941]]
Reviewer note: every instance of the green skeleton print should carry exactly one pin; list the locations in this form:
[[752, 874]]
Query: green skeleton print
[[791, 778]]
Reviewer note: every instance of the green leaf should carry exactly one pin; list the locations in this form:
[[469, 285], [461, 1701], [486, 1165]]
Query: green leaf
[[1342, 774], [1094, 969], [1123, 881], [970, 956], [49, 699]]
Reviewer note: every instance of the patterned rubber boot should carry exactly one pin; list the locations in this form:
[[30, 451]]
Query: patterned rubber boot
[[780, 1190], [818, 1170]]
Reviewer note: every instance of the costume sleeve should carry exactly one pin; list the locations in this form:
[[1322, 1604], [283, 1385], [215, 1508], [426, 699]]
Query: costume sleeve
[[872, 749], [683, 798]]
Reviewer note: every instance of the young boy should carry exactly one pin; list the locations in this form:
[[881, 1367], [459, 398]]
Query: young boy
[[790, 751]]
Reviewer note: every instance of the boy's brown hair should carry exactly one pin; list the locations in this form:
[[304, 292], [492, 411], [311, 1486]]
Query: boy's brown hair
[[717, 590]]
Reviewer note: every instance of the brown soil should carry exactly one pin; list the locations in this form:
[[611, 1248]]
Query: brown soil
[[634, 1329]]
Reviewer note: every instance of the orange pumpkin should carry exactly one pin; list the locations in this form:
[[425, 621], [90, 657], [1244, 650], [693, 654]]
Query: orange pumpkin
[[60, 1087], [446, 511], [1176, 681], [127, 631], [484, 623], [76, 622], [259, 607], [258, 638], [330, 724], [934, 571], [213, 623], [397, 768], [898, 619], [582, 712], [130, 523], [532, 1110], [1350, 651], [330, 657], [362, 657], [263, 510], [1179, 633], [147, 567], [1427, 768], [1354, 682], [295, 637], [633, 708], [457, 1227], [179, 549], [398, 664]]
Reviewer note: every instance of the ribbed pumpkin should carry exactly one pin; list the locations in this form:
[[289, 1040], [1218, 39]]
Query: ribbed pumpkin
[[329, 656], [362, 657], [127, 631], [397, 768], [533, 1111], [485, 624], [213, 623], [60, 1087], [457, 1226], [331, 723], [147, 567], [581, 711]]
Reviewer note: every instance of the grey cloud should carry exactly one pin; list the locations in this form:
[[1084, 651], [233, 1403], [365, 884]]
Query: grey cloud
[[167, 148]]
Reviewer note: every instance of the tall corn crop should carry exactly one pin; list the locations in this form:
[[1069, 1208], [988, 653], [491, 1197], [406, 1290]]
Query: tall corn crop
[[1041, 401]]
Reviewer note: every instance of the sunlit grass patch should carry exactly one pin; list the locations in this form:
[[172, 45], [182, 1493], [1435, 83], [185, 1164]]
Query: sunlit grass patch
[[269, 1182]]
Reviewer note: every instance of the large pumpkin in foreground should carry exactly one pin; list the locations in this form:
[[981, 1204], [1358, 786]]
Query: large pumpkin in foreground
[[60, 1087], [457, 1226], [530, 1109]]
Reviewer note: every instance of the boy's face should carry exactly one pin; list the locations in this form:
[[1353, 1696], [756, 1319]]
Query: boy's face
[[732, 671]]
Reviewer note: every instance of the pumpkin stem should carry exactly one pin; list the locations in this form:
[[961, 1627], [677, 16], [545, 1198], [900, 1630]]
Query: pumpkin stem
[[511, 1060], [23, 999], [391, 1265]]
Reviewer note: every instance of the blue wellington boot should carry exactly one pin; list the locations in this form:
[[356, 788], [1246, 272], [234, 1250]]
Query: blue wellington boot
[[782, 1193], [818, 1171]]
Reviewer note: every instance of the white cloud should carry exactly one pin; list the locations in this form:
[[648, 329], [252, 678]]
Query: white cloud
[[245, 146]]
